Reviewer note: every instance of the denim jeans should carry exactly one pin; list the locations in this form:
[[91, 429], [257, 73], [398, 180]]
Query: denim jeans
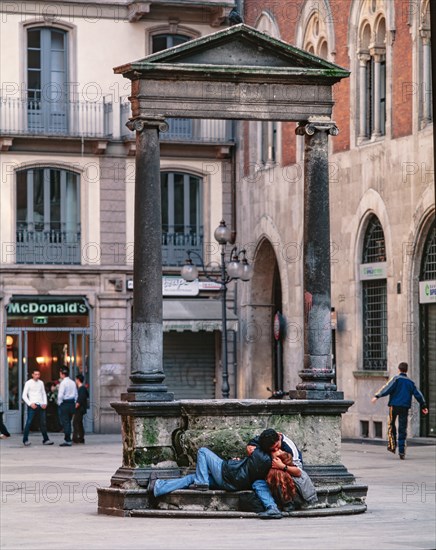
[[208, 472], [42, 422], [262, 490], [66, 413]]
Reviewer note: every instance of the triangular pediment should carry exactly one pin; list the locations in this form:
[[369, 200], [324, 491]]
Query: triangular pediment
[[237, 47]]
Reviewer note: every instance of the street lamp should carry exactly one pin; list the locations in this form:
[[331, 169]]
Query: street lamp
[[232, 270]]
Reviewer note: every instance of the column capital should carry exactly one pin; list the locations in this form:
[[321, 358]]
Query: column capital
[[317, 125], [140, 122], [363, 57]]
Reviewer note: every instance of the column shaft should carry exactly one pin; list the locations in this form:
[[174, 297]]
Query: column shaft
[[147, 329]]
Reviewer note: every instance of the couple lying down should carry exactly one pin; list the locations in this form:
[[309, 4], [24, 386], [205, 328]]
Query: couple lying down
[[273, 470]]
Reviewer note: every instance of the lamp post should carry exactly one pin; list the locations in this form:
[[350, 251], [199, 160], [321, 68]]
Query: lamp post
[[232, 270]]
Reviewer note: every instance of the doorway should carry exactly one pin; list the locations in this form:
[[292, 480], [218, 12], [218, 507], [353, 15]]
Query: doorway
[[47, 350]]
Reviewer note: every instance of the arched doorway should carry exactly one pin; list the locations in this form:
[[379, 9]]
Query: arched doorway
[[427, 317], [261, 364]]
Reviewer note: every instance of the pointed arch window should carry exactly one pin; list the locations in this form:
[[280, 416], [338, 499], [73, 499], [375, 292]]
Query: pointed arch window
[[374, 297], [372, 70]]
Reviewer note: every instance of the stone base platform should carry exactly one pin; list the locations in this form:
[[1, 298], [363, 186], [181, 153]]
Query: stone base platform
[[332, 500]]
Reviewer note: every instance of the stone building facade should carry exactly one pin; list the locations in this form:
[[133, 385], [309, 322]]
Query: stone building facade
[[67, 194], [382, 210]]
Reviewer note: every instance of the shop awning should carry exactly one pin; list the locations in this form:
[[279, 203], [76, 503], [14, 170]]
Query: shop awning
[[195, 315]]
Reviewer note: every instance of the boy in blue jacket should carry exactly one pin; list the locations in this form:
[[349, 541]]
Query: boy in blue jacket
[[400, 390]]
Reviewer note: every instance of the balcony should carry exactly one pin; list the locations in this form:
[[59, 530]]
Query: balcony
[[80, 119], [48, 247], [175, 245], [186, 130]]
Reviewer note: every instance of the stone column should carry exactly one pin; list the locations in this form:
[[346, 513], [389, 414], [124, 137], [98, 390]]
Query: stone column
[[317, 374], [376, 132], [363, 61], [147, 374], [426, 77]]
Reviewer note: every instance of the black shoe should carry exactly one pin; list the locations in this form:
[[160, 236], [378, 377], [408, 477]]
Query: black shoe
[[402, 456], [65, 444], [271, 513], [199, 486], [289, 507], [392, 450], [47, 442]]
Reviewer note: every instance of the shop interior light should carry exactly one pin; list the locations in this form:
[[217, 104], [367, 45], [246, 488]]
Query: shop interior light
[[9, 341]]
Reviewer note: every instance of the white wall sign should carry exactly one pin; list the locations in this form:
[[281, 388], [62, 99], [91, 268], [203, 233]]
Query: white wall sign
[[177, 286], [376, 270], [427, 292]]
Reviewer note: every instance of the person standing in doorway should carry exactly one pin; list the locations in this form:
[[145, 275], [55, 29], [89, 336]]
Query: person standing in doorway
[[3, 430], [36, 400], [81, 406], [67, 397], [400, 389]]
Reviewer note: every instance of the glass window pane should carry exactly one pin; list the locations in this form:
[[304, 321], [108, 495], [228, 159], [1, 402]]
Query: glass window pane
[[12, 343], [193, 203], [34, 80], [57, 40], [34, 59], [164, 184], [38, 199], [72, 206], [179, 203], [21, 200], [159, 43], [55, 200], [34, 38]]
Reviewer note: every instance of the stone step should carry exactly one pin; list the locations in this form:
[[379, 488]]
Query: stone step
[[347, 509], [215, 500]]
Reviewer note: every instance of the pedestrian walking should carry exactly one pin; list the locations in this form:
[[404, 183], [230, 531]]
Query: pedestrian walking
[[400, 389], [36, 400], [81, 406], [3, 430], [67, 397]]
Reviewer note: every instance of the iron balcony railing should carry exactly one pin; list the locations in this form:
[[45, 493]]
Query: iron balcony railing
[[184, 129], [175, 245], [92, 119], [48, 247]]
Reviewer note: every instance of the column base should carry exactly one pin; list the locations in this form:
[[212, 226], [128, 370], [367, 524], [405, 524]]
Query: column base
[[147, 396], [316, 394]]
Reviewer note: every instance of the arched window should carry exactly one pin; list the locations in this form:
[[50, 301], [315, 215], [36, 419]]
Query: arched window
[[167, 40], [47, 79], [374, 297], [425, 90], [428, 268], [372, 70], [182, 216], [267, 130], [315, 36], [48, 216]]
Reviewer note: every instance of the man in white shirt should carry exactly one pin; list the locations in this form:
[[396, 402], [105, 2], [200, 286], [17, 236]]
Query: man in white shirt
[[67, 397], [36, 400]]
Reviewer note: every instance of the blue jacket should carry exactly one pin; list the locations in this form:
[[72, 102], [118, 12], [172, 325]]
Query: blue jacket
[[400, 390]]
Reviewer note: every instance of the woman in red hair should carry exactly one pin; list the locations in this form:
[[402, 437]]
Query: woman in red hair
[[280, 482]]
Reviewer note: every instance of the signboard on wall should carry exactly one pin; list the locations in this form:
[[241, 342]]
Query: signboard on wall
[[41, 306], [369, 272], [427, 292]]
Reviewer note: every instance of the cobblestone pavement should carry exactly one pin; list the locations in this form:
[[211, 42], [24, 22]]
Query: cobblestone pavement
[[49, 501]]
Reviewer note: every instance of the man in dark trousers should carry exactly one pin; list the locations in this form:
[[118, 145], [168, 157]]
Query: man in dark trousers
[[81, 406], [400, 390]]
